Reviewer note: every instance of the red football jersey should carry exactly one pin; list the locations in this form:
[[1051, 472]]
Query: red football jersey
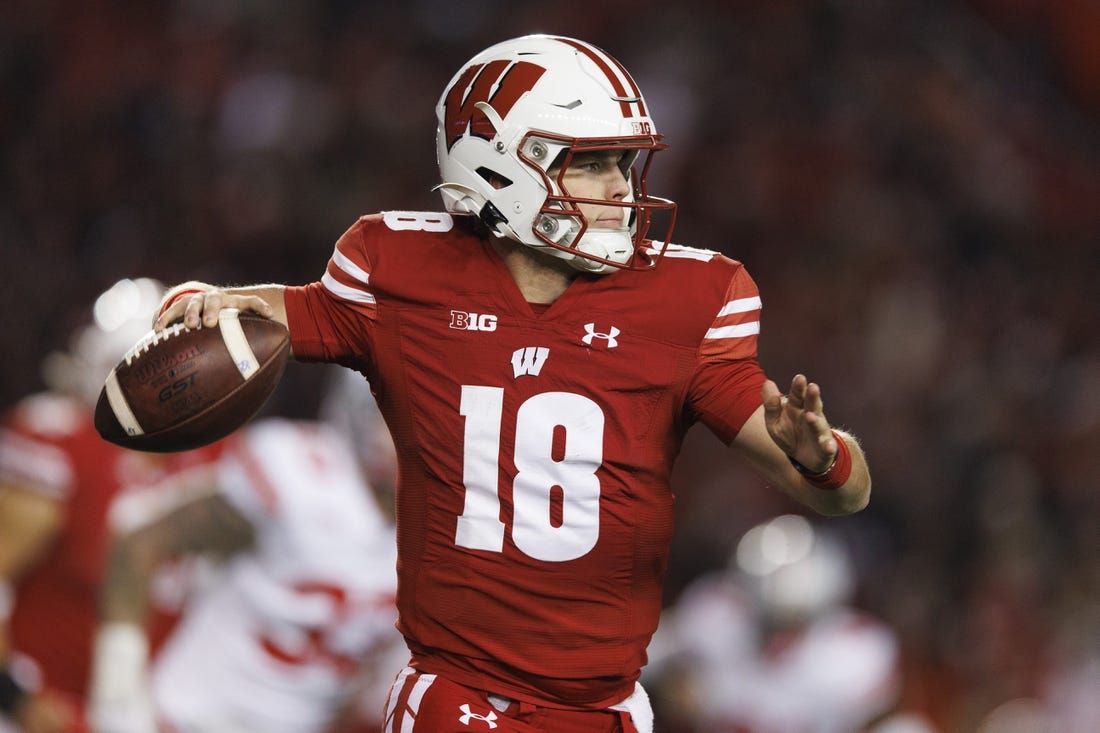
[[535, 444], [48, 444]]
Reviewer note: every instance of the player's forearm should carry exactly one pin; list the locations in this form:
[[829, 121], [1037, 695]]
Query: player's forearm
[[131, 563], [29, 524], [843, 488], [271, 293], [850, 496]]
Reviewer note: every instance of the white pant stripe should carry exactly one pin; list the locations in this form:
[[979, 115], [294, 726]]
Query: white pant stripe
[[395, 692], [418, 691]]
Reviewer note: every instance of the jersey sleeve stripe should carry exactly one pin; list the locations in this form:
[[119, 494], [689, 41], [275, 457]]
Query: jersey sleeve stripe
[[733, 332], [740, 305], [346, 292], [733, 320], [346, 265], [730, 332]]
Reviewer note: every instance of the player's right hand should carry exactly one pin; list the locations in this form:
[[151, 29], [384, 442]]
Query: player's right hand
[[196, 303]]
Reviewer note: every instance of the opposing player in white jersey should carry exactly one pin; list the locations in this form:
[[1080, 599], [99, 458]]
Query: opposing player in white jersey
[[59, 484], [280, 640], [772, 646]]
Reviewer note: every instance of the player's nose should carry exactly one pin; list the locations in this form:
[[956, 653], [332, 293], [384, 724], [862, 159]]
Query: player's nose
[[618, 184]]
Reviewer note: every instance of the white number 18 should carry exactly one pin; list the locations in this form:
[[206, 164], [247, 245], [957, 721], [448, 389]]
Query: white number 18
[[537, 473]]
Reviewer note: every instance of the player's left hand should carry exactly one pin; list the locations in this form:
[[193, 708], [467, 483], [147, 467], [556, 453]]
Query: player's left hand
[[796, 422]]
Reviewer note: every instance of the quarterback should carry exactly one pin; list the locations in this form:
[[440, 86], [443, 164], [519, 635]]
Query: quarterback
[[300, 610], [539, 350]]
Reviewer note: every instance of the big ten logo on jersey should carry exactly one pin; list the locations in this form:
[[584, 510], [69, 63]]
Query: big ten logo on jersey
[[464, 321]]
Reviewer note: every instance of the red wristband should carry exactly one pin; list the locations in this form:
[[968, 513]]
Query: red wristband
[[835, 475], [172, 298]]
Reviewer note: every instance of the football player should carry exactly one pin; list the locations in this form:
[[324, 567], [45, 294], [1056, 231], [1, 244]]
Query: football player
[[539, 351], [773, 643], [300, 619], [61, 491]]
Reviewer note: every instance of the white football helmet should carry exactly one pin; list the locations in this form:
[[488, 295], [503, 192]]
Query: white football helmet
[[528, 104], [796, 571], [120, 318]]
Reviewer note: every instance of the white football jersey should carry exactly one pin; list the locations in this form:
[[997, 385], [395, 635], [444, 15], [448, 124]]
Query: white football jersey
[[833, 675], [275, 642]]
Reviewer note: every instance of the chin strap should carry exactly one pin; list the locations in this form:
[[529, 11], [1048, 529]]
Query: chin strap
[[611, 244]]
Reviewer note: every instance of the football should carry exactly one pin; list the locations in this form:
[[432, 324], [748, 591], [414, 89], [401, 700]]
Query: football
[[182, 388]]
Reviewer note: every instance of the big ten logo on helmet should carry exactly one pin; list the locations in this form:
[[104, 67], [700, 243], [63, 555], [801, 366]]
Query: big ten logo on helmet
[[498, 83], [464, 321], [642, 127]]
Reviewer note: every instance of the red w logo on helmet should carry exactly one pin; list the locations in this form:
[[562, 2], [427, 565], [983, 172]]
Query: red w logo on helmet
[[499, 83]]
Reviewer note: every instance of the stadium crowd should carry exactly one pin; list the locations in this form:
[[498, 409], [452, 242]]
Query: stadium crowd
[[913, 184]]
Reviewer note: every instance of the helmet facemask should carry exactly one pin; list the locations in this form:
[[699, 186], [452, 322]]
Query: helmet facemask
[[562, 225]]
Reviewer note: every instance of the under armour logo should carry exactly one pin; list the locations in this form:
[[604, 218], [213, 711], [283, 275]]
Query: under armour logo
[[594, 334], [467, 716]]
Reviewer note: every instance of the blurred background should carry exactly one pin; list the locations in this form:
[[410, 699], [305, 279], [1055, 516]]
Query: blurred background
[[914, 185]]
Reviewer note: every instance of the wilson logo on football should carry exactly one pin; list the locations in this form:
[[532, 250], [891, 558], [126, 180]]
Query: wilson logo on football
[[499, 83], [150, 370], [155, 365]]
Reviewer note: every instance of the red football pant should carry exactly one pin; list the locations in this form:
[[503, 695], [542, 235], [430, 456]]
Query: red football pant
[[426, 703]]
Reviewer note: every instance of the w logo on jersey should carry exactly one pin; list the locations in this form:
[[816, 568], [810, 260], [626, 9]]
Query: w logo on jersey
[[498, 83], [529, 360]]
